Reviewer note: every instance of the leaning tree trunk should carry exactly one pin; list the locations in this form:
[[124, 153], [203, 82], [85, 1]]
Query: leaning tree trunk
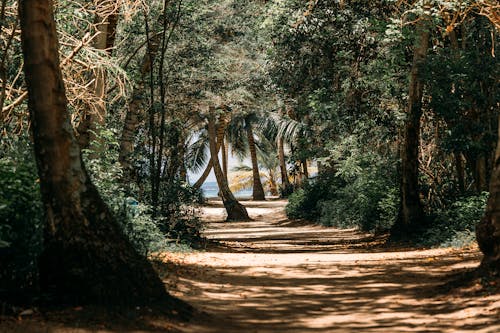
[[258, 190], [221, 130], [410, 211], [488, 230], [235, 210], [86, 257]]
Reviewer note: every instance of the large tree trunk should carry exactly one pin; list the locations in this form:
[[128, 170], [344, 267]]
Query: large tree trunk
[[410, 212], [488, 230], [235, 210], [86, 257], [258, 190]]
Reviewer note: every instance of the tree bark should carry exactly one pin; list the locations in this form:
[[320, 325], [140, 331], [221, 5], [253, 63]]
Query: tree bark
[[220, 136], [258, 190], [106, 22], [135, 115], [235, 210], [410, 212], [488, 230], [281, 156], [460, 171], [225, 153], [86, 257], [273, 188]]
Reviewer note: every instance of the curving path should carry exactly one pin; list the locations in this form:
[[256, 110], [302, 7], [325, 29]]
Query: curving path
[[276, 275]]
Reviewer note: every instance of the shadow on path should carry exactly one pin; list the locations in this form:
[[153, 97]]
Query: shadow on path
[[276, 275]]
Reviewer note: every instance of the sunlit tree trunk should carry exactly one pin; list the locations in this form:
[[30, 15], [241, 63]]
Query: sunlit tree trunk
[[221, 130], [488, 230], [86, 257], [273, 187], [225, 153], [281, 156], [235, 210], [258, 190], [411, 213]]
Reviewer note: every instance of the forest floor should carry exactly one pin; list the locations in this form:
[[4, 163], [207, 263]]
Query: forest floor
[[276, 275]]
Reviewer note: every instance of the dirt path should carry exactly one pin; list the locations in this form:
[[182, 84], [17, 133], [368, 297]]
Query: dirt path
[[273, 275]]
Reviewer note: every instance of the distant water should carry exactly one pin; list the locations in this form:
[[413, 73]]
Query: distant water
[[210, 190]]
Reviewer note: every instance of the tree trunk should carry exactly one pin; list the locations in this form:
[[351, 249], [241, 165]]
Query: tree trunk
[[235, 210], [86, 257], [488, 230], [305, 169], [273, 188], [281, 156], [482, 183], [135, 114], [220, 136], [410, 212], [258, 190], [460, 171], [225, 153], [106, 22]]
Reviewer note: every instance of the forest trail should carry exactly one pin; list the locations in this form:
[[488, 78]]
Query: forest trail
[[277, 275]]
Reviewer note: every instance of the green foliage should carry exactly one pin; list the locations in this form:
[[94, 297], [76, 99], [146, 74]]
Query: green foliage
[[454, 225], [178, 216], [361, 194], [176, 221], [21, 226], [304, 202]]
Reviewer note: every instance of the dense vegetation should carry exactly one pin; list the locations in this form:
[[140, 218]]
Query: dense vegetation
[[394, 103]]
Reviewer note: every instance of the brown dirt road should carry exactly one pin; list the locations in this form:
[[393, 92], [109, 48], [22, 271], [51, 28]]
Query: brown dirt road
[[274, 275]]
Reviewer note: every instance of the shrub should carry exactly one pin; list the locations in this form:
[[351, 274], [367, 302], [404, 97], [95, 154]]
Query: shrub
[[21, 228], [367, 202], [361, 194], [306, 202], [455, 225]]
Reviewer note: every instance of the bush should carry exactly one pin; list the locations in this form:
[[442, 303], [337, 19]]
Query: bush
[[175, 221], [21, 228], [455, 225], [306, 202], [369, 202], [361, 194], [178, 216]]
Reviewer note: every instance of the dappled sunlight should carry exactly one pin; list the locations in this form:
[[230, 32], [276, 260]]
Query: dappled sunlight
[[259, 277]]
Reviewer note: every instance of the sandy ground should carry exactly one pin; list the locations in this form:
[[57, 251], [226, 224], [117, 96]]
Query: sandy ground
[[276, 275]]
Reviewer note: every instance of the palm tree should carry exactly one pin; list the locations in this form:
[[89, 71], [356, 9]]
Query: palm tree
[[244, 123], [235, 210]]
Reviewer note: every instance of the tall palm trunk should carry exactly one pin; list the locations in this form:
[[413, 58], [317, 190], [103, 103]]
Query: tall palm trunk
[[488, 230], [258, 190], [410, 212], [235, 210], [84, 248]]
